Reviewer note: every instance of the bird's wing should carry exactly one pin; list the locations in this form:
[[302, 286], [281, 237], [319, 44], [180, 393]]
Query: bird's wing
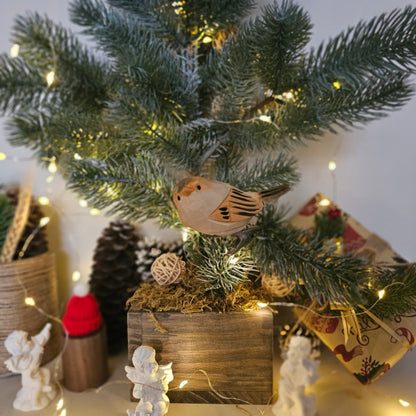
[[237, 206]]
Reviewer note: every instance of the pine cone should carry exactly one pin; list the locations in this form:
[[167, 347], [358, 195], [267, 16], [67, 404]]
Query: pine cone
[[39, 243], [149, 250], [114, 277]]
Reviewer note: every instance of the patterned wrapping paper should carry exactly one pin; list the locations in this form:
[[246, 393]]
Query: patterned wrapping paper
[[382, 342]]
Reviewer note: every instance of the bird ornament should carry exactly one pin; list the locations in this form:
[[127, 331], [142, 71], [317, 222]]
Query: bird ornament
[[218, 208]]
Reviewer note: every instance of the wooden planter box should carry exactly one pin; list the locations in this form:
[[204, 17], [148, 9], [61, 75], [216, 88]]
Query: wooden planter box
[[237, 350]]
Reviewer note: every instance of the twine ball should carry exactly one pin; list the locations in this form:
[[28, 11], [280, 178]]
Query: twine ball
[[168, 269], [275, 287]]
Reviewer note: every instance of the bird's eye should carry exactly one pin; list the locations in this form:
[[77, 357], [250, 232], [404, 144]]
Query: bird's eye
[[198, 187], [179, 198]]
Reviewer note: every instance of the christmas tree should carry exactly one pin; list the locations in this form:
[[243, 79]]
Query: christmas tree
[[193, 88]]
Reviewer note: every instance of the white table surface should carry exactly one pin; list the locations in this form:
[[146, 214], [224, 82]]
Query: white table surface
[[338, 394]]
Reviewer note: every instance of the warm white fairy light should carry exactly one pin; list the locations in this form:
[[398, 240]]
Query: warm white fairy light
[[404, 403], [324, 202], [183, 384], [83, 203], [207, 39], [233, 259], [332, 165], [50, 179], [261, 304], [266, 119], [336, 85], [77, 156], [60, 404], [185, 234], [50, 78], [381, 293], [44, 200], [3, 156], [76, 275], [63, 412], [44, 221], [30, 301], [94, 211], [14, 51], [52, 168]]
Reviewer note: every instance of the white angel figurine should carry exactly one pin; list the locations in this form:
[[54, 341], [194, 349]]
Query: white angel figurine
[[298, 371], [37, 390], [150, 383]]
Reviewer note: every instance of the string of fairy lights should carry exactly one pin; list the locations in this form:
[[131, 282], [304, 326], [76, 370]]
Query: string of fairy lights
[[60, 408]]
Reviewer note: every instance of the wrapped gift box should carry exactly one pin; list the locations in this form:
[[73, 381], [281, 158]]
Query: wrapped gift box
[[378, 344]]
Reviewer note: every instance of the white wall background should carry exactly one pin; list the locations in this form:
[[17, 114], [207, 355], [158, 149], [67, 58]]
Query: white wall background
[[376, 168]]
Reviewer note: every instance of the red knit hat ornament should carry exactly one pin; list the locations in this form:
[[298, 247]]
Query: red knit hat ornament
[[82, 315]]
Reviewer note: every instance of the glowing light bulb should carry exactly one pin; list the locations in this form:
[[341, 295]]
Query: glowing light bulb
[[63, 412], [52, 168], [266, 119], [14, 51], [207, 39], [3, 156], [49, 179], [233, 260], [83, 203], [94, 211], [261, 304], [30, 301], [183, 384], [336, 85], [332, 165], [288, 95], [60, 404], [381, 293], [43, 200], [43, 221], [77, 156], [50, 78], [325, 202], [404, 403], [76, 275], [185, 234]]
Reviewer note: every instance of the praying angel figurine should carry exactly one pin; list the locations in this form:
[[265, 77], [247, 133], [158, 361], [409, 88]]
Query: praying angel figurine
[[37, 390], [150, 383], [298, 371]]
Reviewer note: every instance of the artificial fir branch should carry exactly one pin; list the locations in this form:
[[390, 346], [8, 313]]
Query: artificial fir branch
[[189, 88], [137, 188]]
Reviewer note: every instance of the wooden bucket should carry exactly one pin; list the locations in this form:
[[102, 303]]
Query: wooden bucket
[[38, 277]]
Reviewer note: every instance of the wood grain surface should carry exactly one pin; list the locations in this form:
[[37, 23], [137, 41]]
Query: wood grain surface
[[235, 350]]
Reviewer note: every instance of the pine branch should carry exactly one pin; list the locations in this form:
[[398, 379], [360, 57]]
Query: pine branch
[[399, 284], [150, 71], [137, 188], [314, 268], [378, 48], [79, 77], [21, 86], [212, 266], [276, 42], [264, 173]]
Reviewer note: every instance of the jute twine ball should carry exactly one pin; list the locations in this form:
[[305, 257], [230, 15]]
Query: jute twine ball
[[168, 269], [275, 287]]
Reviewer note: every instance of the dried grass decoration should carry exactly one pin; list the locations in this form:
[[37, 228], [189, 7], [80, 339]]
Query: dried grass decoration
[[168, 269]]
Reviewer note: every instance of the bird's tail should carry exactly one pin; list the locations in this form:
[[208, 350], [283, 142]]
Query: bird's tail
[[274, 193]]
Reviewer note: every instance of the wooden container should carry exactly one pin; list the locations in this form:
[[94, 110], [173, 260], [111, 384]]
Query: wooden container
[[236, 350], [84, 362], [38, 276]]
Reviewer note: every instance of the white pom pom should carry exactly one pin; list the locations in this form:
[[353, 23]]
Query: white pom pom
[[81, 289]]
